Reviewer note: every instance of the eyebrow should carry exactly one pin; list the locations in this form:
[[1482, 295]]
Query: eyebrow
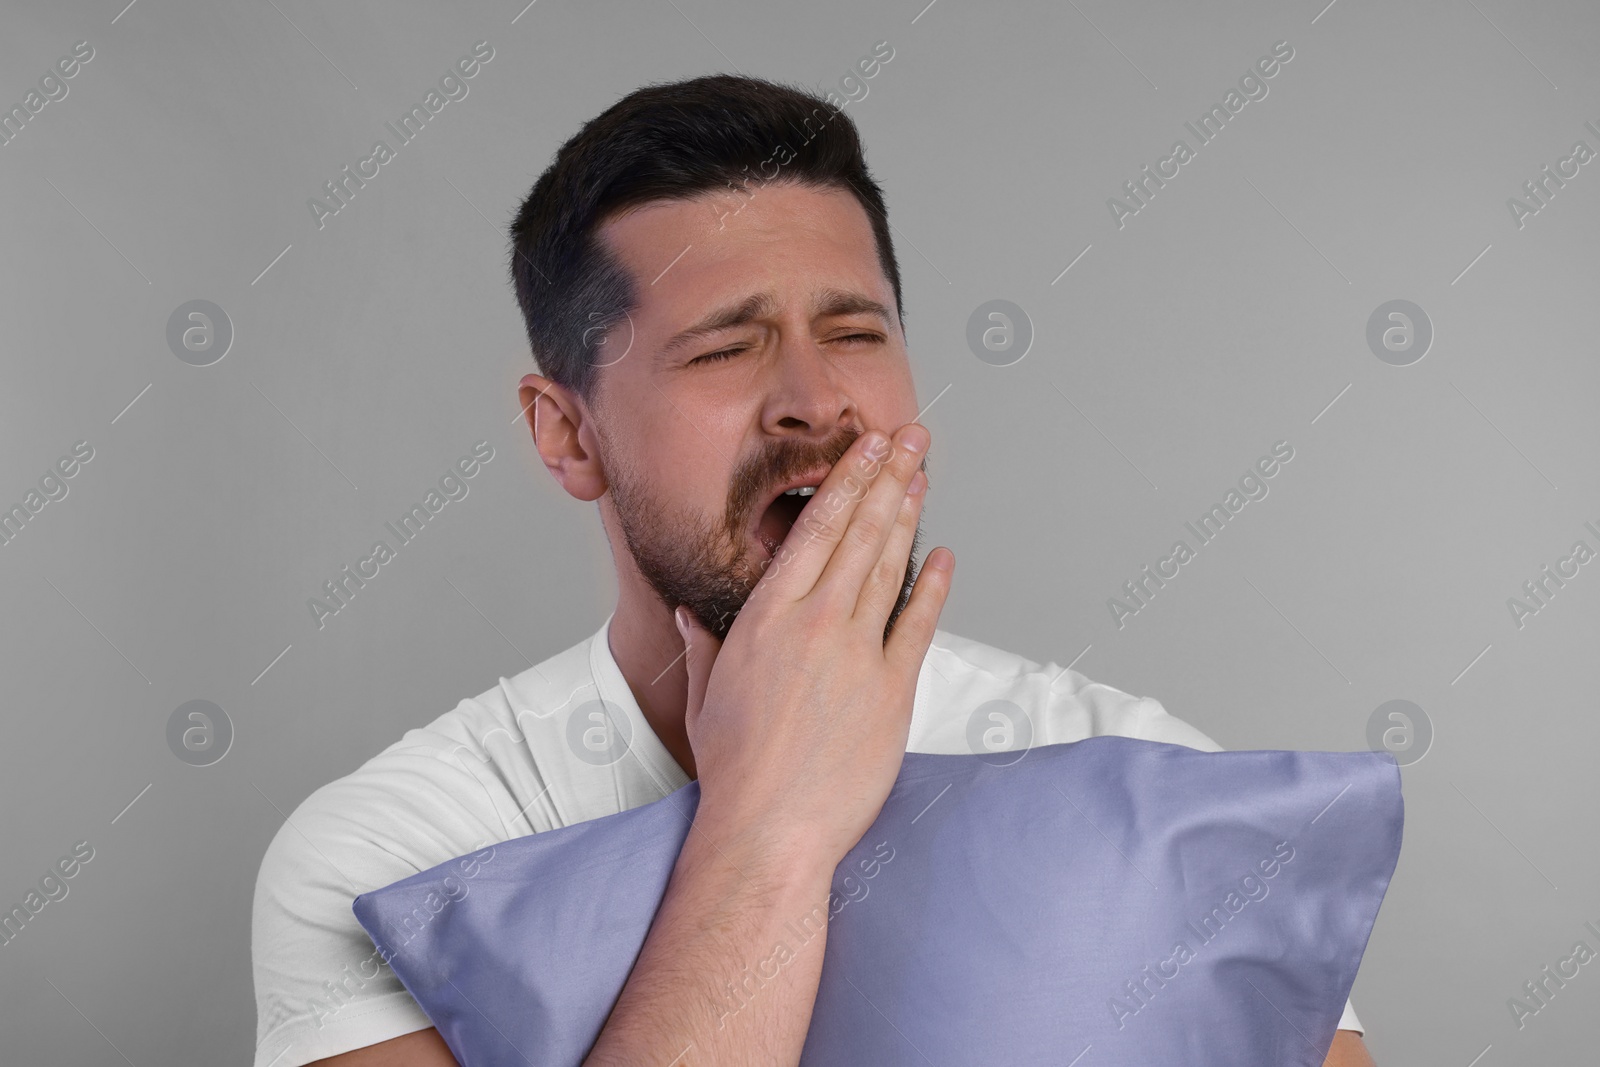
[[825, 303]]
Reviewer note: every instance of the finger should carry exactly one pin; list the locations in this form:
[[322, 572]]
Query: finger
[[913, 629], [881, 590], [873, 520], [700, 655], [795, 567]]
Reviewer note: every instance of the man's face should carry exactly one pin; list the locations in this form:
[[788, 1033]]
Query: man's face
[[697, 435]]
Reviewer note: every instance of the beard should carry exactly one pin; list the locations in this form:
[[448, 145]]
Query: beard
[[710, 566]]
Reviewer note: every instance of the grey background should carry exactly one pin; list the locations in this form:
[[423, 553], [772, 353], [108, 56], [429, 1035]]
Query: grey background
[[1230, 313]]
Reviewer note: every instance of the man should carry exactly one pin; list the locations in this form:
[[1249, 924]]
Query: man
[[708, 281]]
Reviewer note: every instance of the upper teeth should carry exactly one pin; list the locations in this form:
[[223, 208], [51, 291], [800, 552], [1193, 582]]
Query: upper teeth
[[804, 490]]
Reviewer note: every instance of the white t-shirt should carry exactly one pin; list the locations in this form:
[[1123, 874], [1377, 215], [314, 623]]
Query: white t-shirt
[[521, 759]]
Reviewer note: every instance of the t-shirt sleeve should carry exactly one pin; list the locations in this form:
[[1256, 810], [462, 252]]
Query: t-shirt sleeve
[[1152, 722], [321, 986]]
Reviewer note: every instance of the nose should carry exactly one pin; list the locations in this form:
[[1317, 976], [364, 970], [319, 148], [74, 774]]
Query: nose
[[806, 395]]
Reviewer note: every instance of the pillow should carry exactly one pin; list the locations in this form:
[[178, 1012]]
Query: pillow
[[1098, 902]]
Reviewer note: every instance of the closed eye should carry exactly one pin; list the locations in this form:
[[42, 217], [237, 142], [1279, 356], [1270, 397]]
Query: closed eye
[[871, 338]]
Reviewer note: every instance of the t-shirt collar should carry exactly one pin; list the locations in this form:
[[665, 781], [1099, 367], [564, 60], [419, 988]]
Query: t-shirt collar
[[643, 744]]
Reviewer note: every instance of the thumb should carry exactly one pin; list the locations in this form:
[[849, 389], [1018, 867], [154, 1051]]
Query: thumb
[[700, 653]]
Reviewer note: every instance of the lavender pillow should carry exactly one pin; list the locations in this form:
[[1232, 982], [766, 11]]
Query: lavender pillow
[[1100, 902]]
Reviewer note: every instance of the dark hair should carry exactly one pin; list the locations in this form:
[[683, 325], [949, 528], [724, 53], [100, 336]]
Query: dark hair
[[671, 141]]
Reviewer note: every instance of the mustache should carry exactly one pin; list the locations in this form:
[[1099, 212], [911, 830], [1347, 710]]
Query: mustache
[[778, 463]]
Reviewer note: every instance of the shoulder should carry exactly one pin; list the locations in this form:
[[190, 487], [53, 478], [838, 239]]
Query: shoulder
[[967, 687], [321, 987], [437, 792], [450, 787], [372, 816]]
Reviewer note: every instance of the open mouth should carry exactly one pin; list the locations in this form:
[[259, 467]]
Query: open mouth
[[779, 518]]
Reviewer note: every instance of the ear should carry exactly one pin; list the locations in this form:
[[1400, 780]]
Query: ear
[[563, 432]]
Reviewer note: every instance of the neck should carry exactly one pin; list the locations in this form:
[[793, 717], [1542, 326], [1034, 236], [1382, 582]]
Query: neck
[[649, 652]]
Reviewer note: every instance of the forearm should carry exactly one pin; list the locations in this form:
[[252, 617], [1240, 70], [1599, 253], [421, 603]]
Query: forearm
[[728, 972], [1348, 1050]]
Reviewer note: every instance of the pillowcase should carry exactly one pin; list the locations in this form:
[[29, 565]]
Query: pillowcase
[[1099, 902]]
